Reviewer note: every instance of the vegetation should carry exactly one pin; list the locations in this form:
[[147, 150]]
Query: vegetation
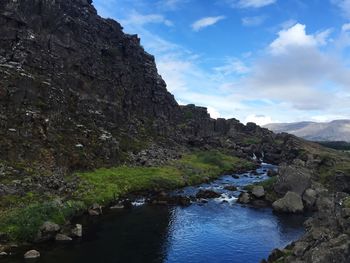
[[21, 217], [268, 187], [103, 185], [23, 224], [337, 145]]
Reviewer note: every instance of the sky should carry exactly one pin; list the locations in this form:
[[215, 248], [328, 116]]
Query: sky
[[259, 61]]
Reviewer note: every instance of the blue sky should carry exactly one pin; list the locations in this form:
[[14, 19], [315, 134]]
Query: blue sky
[[254, 60]]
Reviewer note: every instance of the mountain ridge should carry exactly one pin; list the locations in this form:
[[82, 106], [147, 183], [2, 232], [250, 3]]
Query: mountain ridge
[[336, 130]]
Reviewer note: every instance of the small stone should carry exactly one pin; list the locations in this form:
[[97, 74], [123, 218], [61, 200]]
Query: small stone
[[61, 237], [118, 206], [77, 231], [31, 254], [3, 254]]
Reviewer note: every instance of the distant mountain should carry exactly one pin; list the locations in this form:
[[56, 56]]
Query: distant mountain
[[338, 130]]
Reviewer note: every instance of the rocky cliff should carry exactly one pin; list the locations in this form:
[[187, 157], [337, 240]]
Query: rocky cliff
[[78, 93]]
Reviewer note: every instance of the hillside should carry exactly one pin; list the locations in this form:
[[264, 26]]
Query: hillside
[[86, 121], [338, 130]]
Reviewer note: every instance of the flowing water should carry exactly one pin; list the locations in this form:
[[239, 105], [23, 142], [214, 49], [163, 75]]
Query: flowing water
[[217, 231]]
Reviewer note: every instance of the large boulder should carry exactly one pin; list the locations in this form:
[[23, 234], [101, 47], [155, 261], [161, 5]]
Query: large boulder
[[292, 178], [290, 203], [258, 191]]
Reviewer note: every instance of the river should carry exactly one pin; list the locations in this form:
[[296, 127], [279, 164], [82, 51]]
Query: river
[[220, 231]]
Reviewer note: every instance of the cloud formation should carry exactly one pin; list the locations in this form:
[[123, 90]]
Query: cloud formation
[[205, 22], [344, 6], [136, 18], [250, 3], [253, 20]]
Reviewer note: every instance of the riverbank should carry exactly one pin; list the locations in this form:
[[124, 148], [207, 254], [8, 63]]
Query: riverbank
[[212, 229], [22, 217]]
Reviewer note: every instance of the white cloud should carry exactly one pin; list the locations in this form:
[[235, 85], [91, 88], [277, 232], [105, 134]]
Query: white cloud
[[344, 6], [233, 66], [138, 19], [346, 27], [171, 4], [205, 22], [259, 119], [253, 20], [250, 3], [296, 36], [214, 113]]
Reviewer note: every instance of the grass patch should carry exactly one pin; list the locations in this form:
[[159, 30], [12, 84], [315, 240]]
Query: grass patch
[[23, 224], [21, 217], [103, 185]]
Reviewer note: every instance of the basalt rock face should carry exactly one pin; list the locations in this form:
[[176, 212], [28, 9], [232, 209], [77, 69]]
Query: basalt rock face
[[78, 93], [75, 90]]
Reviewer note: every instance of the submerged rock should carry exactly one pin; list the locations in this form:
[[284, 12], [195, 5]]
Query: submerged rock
[[32, 254], [230, 188], [61, 237], [207, 194], [290, 203]]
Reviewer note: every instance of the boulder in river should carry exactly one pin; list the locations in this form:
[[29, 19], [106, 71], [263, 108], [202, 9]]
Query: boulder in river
[[32, 254], [290, 203], [258, 191], [244, 198]]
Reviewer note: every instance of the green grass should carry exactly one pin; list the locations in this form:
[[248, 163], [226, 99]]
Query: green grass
[[21, 217], [23, 224], [103, 185]]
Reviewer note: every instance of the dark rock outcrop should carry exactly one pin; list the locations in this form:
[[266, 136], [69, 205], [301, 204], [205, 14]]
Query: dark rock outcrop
[[78, 93]]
